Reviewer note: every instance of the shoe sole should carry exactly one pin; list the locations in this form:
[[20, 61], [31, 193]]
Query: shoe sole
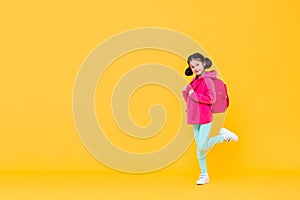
[[202, 183]]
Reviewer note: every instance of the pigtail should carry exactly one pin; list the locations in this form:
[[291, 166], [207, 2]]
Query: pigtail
[[188, 71], [208, 63]]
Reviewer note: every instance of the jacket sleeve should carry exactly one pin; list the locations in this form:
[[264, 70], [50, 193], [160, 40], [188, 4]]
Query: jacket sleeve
[[208, 97], [185, 93]]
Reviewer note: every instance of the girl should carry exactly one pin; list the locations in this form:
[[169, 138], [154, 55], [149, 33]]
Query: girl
[[200, 95]]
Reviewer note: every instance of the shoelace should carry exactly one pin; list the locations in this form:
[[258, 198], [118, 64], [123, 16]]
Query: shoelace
[[227, 138], [202, 176]]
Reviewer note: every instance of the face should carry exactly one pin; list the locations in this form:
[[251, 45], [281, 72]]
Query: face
[[197, 66]]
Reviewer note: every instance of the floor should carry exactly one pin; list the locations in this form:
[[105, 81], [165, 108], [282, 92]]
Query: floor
[[89, 186]]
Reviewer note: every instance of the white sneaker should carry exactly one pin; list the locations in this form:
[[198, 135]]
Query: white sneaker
[[228, 135], [203, 179]]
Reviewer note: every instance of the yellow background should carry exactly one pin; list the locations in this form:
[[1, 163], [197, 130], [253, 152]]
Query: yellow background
[[253, 43]]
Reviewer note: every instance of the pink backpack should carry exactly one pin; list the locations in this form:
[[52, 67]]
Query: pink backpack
[[222, 99]]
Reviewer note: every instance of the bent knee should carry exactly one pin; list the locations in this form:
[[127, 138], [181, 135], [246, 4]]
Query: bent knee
[[202, 148]]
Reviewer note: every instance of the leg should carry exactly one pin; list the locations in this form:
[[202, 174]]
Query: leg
[[211, 142], [201, 133]]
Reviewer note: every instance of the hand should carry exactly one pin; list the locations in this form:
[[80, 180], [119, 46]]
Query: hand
[[191, 91]]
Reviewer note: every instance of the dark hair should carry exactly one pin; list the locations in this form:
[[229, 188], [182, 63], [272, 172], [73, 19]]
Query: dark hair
[[197, 56]]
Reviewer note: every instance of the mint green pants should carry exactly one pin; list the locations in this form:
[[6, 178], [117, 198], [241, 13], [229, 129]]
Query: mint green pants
[[201, 133]]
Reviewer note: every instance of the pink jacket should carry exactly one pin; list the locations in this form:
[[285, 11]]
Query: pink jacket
[[199, 103]]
